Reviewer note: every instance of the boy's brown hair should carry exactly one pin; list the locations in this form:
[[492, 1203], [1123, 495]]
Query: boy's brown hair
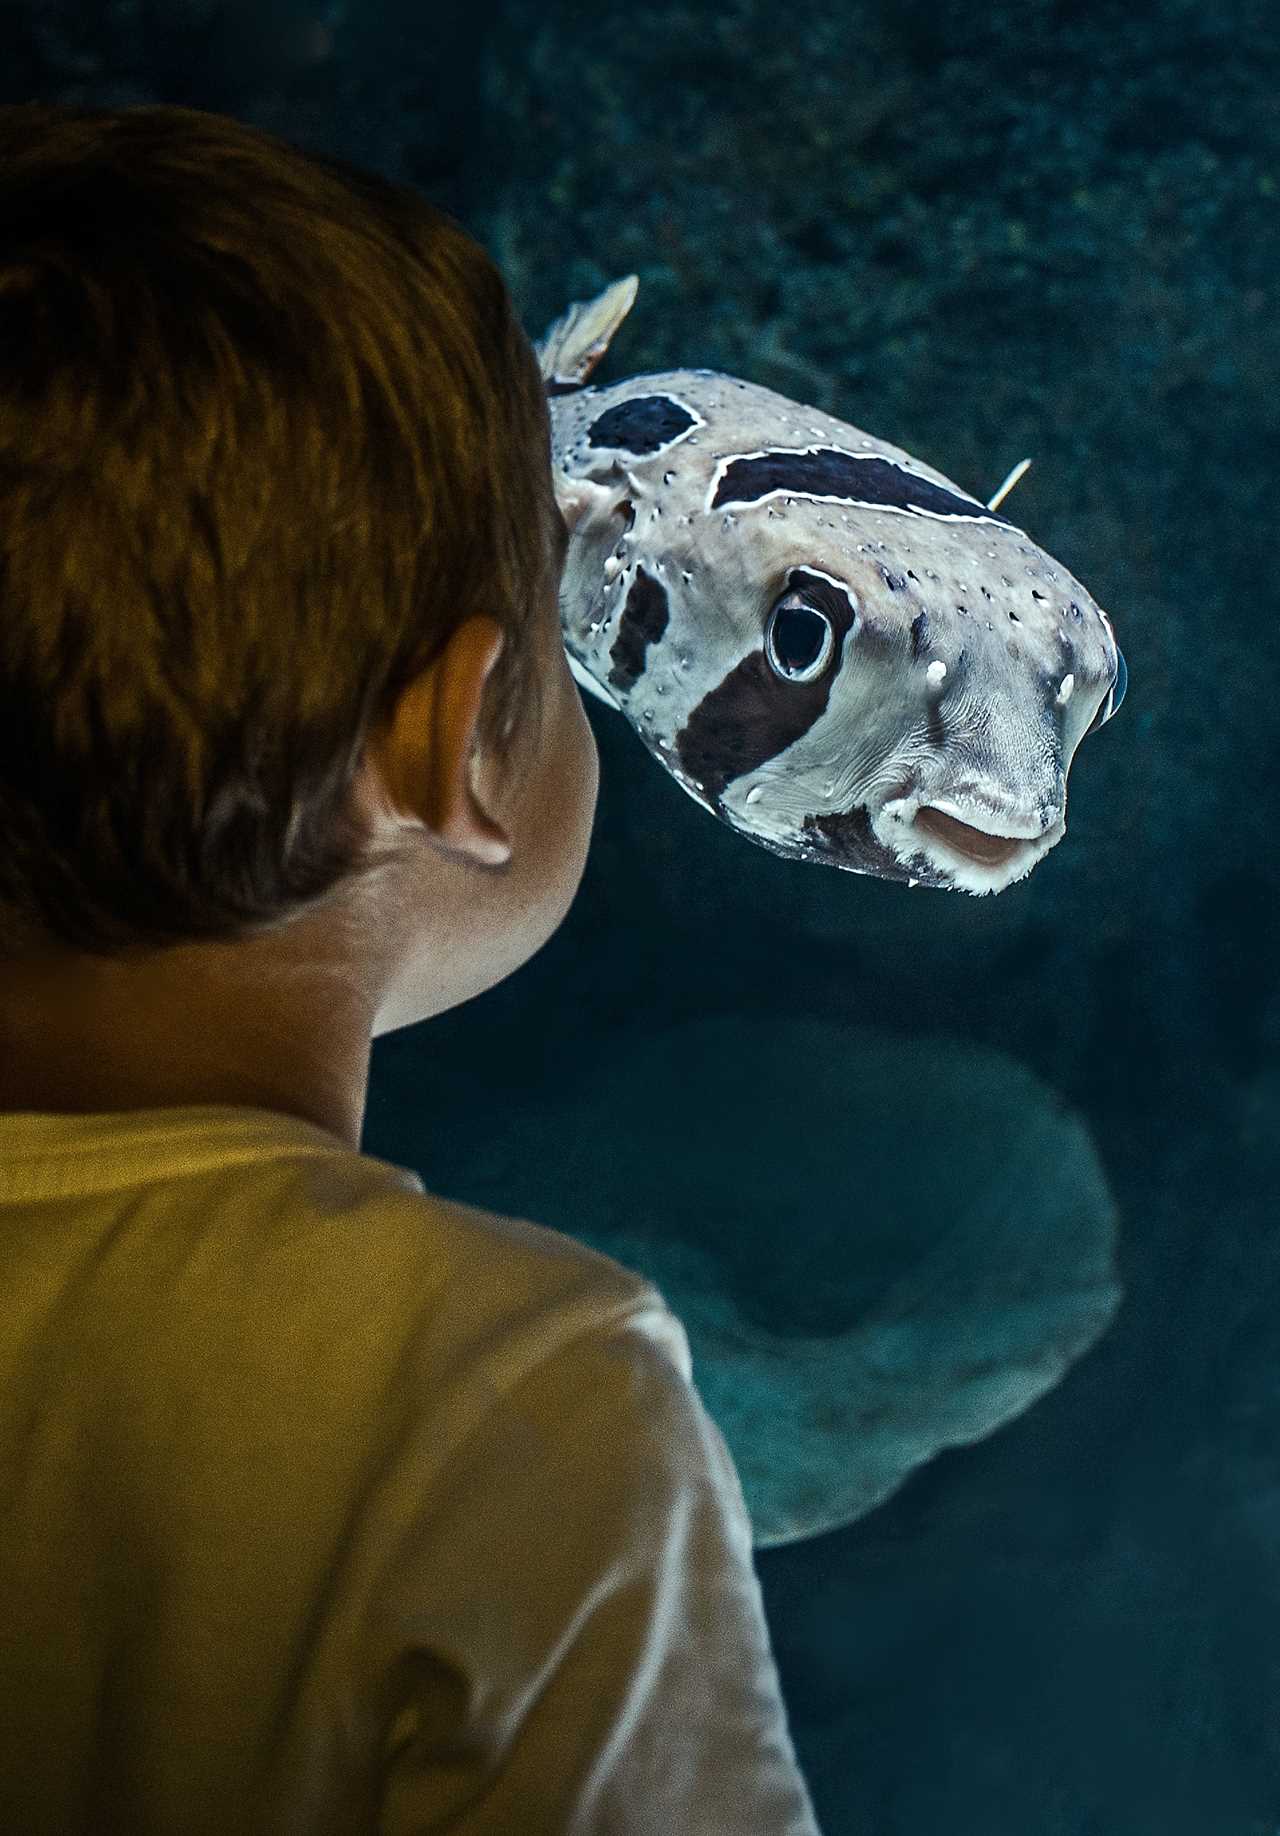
[[270, 430]]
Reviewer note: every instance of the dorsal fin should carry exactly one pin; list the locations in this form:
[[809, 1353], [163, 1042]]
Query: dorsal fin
[[575, 342]]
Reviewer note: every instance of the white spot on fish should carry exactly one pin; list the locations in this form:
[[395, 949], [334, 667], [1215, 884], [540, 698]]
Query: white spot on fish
[[1064, 692], [935, 673]]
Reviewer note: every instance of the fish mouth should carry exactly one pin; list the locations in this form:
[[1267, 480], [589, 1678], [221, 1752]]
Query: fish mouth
[[977, 844], [982, 846]]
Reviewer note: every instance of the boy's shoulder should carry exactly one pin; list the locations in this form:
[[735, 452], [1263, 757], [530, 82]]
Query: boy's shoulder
[[370, 1232]]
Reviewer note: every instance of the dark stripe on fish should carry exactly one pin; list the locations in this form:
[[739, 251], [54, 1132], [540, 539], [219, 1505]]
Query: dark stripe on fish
[[751, 715], [864, 482], [641, 425], [644, 620]]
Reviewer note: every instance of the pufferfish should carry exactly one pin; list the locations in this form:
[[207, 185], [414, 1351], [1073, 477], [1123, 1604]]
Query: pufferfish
[[828, 644]]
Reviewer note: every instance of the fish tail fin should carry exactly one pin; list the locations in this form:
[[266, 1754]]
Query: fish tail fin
[[575, 342]]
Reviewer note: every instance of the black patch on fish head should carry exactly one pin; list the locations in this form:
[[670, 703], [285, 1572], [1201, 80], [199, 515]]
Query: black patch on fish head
[[642, 425], [644, 621], [860, 481], [752, 715], [847, 837]]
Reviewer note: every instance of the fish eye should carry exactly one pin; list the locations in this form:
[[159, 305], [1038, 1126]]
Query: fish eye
[[798, 639], [1111, 702]]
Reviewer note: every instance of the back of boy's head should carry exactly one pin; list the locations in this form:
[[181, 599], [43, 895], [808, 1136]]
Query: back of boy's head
[[270, 430]]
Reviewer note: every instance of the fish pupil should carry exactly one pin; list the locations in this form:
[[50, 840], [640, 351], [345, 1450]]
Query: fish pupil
[[797, 637]]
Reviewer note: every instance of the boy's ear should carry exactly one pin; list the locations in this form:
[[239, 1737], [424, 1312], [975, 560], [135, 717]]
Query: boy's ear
[[419, 771]]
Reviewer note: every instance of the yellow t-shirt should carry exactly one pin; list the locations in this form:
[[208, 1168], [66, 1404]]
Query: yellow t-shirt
[[328, 1505]]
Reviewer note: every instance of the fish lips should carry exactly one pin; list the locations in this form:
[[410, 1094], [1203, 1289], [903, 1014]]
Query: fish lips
[[977, 846]]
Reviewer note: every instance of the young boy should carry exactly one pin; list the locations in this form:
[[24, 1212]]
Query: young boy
[[326, 1505]]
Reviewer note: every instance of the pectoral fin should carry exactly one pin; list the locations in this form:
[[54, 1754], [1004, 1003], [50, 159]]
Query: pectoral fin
[[586, 680], [596, 515]]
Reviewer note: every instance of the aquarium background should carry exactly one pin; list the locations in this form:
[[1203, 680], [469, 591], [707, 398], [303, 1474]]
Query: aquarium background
[[1029, 228]]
